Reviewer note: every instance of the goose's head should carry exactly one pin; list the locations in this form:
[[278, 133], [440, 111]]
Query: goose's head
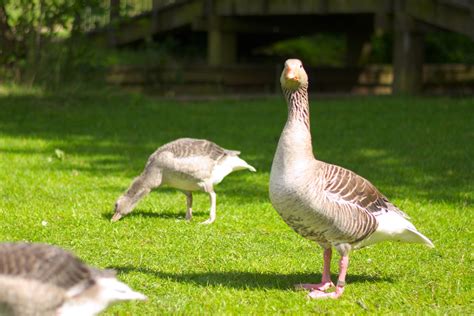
[[122, 207], [105, 291], [293, 76]]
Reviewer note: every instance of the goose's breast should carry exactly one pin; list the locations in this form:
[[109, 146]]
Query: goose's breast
[[181, 181], [185, 173], [298, 204]]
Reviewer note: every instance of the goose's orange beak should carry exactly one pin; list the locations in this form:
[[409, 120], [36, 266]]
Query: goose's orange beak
[[293, 75], [290, 74], [116, 217]]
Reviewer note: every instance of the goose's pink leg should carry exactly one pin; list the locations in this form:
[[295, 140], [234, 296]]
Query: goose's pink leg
[[341, 281], [326, 279]]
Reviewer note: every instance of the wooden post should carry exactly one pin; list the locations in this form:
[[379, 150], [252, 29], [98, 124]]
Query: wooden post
[[221, 45], [408, 53]]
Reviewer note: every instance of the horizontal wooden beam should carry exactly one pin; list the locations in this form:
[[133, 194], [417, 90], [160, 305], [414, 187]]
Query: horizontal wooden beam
[[451, 15], [147, 24], [288, 16], [291, 25], [197, 79], [300, 7]]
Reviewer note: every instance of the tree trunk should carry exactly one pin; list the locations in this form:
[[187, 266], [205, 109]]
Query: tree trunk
[[7, 44], [35, 47]]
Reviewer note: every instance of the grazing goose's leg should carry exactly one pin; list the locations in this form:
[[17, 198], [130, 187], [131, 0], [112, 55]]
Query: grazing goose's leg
[[208, 187], [344, 250], [326, 282], [212, 211], [189, 205]]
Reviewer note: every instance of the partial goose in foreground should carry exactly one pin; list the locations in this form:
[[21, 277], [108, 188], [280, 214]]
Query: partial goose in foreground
[[325, 203], [186, 164], [40, 279]]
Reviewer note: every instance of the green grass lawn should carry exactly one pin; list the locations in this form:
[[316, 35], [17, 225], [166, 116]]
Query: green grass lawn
[[417, 151]]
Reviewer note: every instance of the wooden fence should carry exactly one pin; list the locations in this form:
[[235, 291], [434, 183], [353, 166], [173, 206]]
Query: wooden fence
[[245, 79]]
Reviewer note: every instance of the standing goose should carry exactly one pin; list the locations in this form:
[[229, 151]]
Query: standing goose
[[39, 279], [186, 164], [325, 203]]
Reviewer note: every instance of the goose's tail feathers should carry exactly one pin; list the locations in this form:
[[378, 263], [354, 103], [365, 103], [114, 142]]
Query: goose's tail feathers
[[415, 236], [393, 226], [251, 168], [237, 163]]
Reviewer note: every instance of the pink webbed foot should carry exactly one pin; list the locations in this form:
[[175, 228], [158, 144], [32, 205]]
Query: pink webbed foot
[[315, 294], [323, 286]]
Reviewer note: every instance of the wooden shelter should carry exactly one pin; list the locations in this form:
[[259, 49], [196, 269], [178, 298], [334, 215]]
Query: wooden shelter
[[231, 26]]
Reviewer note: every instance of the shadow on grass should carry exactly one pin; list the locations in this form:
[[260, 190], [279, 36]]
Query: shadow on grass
[[244, 280], [408, 147], [241, 188], [152, 214]]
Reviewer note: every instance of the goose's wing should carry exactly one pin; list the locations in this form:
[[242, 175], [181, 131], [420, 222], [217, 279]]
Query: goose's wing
[[194, 157], [346, 187], [44, 263], [189, 147], [232, 152], [353, 203]]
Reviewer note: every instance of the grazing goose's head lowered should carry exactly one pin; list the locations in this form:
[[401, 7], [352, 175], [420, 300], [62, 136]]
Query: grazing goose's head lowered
[[293, 76], [123, 206], [127, 201]]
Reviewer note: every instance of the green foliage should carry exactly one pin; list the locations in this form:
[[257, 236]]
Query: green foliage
[[148, 54], [417, 151], [43, 36], [381, 48], [329, 49], [323, 49], [440, 47], [448, 47]]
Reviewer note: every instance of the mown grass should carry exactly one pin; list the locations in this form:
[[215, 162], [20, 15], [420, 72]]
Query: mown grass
[[418, 151]]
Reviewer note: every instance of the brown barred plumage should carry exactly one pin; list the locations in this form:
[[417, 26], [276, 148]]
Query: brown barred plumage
[[44, 263], [323, 202], [40, 279]]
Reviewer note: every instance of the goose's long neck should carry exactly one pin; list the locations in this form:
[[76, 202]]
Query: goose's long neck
[[295, 139], [298, 106]]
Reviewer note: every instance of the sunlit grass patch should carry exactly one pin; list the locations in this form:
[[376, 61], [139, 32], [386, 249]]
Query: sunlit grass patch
[[65, 158]]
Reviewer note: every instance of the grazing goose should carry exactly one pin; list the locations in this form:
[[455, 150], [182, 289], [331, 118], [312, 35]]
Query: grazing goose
[[186, 164], [325, 203], [39, 279]]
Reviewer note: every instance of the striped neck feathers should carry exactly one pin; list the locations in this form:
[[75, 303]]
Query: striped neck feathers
[[296, 135], [298, 106]]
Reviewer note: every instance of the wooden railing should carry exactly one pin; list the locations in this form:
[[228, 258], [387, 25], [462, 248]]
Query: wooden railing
[[126, 8], [245, 79]]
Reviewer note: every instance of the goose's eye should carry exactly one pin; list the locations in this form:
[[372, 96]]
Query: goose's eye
[[301, 66]]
